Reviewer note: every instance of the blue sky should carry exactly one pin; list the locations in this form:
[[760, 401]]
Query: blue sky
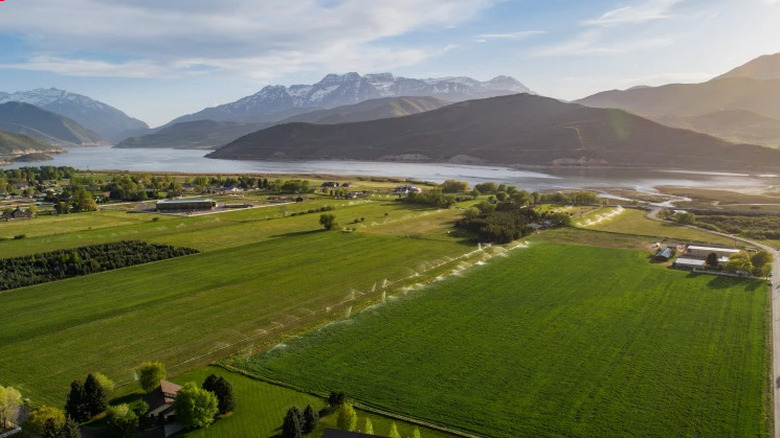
[[157, 60]]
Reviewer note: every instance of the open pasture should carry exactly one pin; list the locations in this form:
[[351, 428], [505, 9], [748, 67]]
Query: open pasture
[[257, 280], [553, 340]]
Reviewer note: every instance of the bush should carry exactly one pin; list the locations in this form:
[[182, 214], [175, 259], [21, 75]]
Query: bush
[[122, 421], [20, 236]]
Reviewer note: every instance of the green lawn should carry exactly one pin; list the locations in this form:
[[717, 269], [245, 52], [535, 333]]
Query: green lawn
[[553, 340], [261, 408], [267, 280]]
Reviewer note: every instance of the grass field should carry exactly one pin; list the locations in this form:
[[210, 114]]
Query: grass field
[[256, 280], [261, 408], [553, 340], [636, 222]]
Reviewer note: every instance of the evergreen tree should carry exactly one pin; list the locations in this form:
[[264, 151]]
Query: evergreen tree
[[347, 418], [50, 429], [77, 407], [291, 428], [394, 431], [220, 386], [95, 396], [369, 427], [310, 419], [70, 429], [337, 398]]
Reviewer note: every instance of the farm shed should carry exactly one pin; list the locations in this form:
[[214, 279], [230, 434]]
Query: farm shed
[[689, 263], [664, 254], [704, 251], [186, 204]]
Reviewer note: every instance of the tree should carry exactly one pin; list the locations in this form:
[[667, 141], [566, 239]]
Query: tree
[[36, 424], [150, 374], [9, 401], [739, 263], [83, 200], [337, 398], [226, 398], [369, 427], [70, 429], [310, 419], [453, 186], [394, 431], [347, 418], [485, 188], [712, 260], [96, 399], [195, 407], [328, 221], [77, 405], [292, 428], [122, 421], [416, 432], [684, 218], [761, 259], [104, 382]]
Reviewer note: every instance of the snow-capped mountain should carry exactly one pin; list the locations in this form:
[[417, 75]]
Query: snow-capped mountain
[[351, 88], [97, 116]]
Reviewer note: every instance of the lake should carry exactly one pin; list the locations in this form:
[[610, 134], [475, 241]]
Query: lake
[[193, 161]]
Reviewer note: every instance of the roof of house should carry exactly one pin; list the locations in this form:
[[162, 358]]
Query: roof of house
[[333, 433], [685, 261], [712, 248], [183, 201], [162, 395], [665, 253]]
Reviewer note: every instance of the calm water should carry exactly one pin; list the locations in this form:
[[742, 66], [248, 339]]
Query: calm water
[[182, 160]]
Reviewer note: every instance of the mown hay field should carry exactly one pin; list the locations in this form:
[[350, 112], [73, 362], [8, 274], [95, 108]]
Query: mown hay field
[[553, 340]]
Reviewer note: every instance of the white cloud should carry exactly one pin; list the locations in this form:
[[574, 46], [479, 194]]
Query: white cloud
[[147, 38], [595, 42], [520, 35], [641, 12]]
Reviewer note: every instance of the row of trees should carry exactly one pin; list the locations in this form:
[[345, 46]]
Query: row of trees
[[506, 221], [56, 265], [758, 263]]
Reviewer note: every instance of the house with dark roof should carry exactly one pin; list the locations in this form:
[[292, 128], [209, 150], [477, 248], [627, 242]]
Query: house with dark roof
[[333, 433], [160, 402], [18, 214]]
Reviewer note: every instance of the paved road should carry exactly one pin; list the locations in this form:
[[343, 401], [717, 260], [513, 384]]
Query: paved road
[[775, 294]]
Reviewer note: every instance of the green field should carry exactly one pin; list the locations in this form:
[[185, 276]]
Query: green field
[[553, 340], [632, 221], [260, 276], [261, 408]]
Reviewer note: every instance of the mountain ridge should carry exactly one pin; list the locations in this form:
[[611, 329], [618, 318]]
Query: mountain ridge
[[31, 120], [510, 130], [103, 119], [337, 90]]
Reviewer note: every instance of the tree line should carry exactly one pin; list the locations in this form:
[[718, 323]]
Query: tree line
[[57, 265], [506, 221]]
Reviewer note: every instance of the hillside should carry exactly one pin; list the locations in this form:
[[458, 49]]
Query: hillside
[[23, 118], [210, 134], [19, 144], [511, 130], [96, 116], [338, 90], [745, 103]]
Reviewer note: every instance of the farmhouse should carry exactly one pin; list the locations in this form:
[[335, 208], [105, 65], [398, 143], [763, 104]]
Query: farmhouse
[[18, 214], [405, 190], [160, 402], [186, 205]]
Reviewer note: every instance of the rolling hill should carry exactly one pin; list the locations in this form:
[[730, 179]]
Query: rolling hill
[[742, 105], [211, 134], [23, 118], [19, 144], [510, 130]]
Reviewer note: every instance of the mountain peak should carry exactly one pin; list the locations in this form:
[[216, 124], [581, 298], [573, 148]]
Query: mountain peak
[[335, 90], [762, 68]]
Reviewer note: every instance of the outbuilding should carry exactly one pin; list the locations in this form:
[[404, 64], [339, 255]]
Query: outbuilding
[[704, 251], [689, 263], [186, 205]]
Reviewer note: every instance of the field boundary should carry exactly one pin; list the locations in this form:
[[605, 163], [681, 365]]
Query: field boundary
[[358, 403]]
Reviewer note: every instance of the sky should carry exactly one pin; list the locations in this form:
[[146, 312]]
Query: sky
[[157, 60]]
